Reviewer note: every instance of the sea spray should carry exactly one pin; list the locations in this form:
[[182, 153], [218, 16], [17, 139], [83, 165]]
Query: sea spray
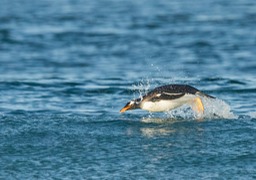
[[217, 108], [213, 109], [142, 88]]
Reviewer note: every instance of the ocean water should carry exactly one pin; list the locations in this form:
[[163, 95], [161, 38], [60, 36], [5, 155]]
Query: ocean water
[[68, 66]]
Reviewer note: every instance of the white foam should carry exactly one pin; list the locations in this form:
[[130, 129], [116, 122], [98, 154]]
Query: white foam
[[217, 108], [213, 109], [183, 112], [252, 115]]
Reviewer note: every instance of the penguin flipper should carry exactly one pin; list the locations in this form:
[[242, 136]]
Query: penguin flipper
[[198, 107]]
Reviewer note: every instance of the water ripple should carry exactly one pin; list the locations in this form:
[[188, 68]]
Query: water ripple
[[68, 67]]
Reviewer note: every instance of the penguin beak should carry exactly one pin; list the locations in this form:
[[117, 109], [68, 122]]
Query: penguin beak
[[126, 107]]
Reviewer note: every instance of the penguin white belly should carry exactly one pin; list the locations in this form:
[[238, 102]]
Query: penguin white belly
[[166, 105]]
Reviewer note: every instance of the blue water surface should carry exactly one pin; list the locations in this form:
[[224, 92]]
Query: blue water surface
[[68, 66]]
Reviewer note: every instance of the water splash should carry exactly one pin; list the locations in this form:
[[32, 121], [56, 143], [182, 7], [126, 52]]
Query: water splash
[[181, 113], [251, 115], [142, 87], [217, 108], [214, 109]]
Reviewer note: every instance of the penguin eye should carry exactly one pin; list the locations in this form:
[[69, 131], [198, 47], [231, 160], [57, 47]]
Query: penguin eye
[[137, 101]]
